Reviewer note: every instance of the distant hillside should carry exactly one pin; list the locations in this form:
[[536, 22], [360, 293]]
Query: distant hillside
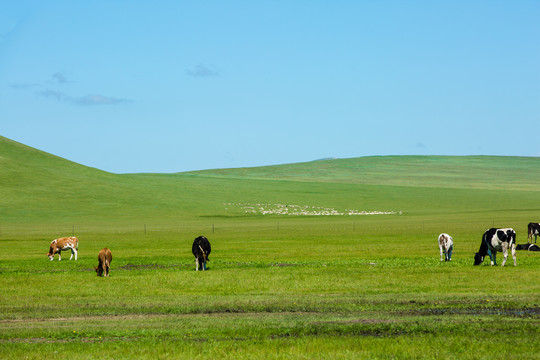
[[26, 164], [27, 173], [36, 187], [465, 172], [34, 183]]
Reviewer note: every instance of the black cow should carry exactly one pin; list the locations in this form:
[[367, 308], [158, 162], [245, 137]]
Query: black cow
[[496, 240], [530, 247], [201, 250], [534, 230]]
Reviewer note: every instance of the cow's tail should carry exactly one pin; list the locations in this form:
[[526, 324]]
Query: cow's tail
[[204, 253], [512, 239]]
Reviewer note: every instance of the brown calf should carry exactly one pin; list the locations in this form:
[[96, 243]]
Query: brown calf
[[104, 258], [57, 245]]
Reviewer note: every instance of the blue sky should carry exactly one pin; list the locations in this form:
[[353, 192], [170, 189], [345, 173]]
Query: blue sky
[[171, 86]]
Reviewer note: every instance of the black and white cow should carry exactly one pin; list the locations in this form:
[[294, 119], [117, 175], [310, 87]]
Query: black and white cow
[[446, 246], [201, 250], [534, 230], [529, 247], [496, 240]]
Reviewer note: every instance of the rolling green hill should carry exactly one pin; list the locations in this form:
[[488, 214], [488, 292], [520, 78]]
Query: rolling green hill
[[460, 172], [352, 285], [36, 187]]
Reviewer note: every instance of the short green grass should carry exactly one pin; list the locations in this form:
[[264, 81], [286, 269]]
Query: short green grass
[[315, 288], [278, 287]]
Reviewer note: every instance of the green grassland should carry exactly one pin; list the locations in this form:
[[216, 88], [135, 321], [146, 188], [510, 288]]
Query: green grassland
[[278, 286]]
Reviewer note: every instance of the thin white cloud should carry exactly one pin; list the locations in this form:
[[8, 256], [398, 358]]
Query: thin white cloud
[[47, 90], [23, 86], [53, 94], [202, 70], [96, 99], [87, 100], [60, 78]]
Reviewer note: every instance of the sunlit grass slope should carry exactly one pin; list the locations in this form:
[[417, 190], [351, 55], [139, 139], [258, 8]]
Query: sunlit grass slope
[[461, 172], [278, 286], [39, 187]]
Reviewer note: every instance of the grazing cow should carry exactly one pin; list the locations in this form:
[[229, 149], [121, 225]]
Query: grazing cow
[[446, 245], [534, 230], [104, 259], [57, 245], [530, 247], [496, 240], [201, 249]]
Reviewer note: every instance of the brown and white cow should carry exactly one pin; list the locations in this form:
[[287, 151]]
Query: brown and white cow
[[65, 243], [104, 259]]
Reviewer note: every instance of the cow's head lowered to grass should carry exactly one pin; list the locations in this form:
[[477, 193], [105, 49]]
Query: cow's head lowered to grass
[[65, 243], [201, 250], [104, 262], [495, 240]]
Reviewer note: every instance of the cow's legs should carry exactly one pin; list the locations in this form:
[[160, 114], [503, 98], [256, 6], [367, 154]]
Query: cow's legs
[[504, 246], [59, 255], [73, 251], [204, 265], [441, 250], [514, 254], [449, 254], [196, 264], [493, 257]]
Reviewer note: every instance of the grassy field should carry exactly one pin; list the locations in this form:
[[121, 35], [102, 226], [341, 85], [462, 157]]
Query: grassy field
[[278, 286]]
